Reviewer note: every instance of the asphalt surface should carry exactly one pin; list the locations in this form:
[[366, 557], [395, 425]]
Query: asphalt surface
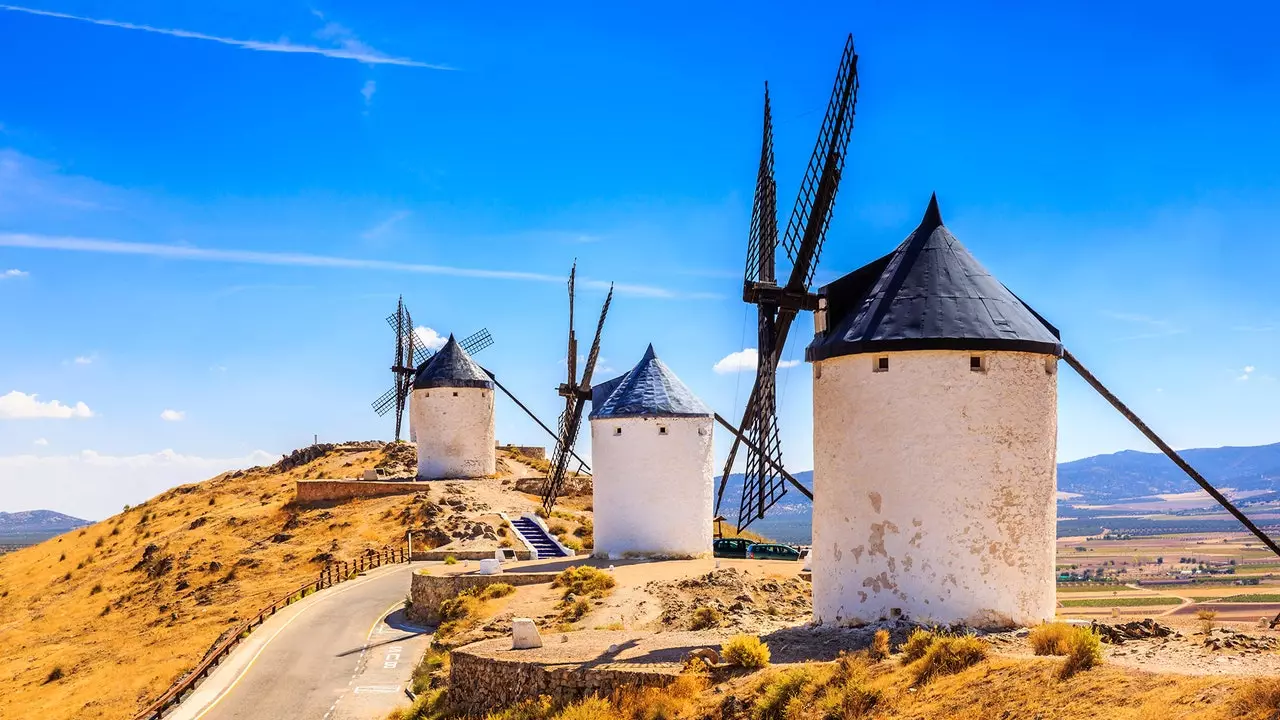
[[345, 653]]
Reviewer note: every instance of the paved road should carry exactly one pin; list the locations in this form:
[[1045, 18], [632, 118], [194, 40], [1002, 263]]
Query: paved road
[[341, 654]]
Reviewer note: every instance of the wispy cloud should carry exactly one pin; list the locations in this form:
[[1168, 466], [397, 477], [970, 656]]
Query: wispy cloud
[[745, 360], [370, 87], [40, 441], [1148, 327], [21, 406], [1246, 373], [254, 257], [83, 360], [383, 227], [348, 48], [13, 273], [173, 415]]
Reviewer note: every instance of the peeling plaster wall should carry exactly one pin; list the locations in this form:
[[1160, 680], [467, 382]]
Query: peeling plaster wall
[[453, 428], [935, 488], [652, 493]]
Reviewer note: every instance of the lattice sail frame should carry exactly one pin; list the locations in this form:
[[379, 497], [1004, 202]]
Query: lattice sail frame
[[763, 485]]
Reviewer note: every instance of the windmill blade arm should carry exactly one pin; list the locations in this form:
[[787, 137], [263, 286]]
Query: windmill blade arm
[[595, 344], [762, 244], [477, 341], [768, 460], [1168, 451], [807, 227], [529, 412], [385, 401]]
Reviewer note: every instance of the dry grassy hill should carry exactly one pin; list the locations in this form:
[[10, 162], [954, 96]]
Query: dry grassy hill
[[98, 622]]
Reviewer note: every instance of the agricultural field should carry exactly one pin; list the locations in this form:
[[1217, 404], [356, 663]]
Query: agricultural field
[[1171, 576]]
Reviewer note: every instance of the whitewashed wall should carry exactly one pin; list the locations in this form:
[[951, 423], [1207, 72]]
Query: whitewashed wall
[[652, 493], [934, 488], [454, 432]]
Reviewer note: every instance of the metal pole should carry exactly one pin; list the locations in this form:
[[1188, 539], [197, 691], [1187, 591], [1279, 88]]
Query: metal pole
[[535, 417], [804, 490], [1170, 452]]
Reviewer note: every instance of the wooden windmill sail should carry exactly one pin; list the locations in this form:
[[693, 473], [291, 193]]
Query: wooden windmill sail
[[576, 392], [410, 355], [778, 304]]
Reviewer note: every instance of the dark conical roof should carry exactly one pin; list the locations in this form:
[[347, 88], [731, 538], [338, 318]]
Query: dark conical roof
[[928, 294], [650, 388], [451, 367]]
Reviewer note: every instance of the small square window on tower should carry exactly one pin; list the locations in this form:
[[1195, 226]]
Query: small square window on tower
[[978, 363], [455, 393], [617, 431], [882, 364], [662, 429]]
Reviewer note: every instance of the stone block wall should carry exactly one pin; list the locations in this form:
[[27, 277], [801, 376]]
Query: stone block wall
[[426, 592], [479, 685], [533, 451], [316, 491]]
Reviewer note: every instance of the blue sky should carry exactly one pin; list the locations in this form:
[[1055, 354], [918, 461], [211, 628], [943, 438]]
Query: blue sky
[[209, 210]]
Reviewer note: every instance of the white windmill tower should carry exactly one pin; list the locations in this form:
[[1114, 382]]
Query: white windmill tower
[[651, 445], [935, 442], [451, 410]]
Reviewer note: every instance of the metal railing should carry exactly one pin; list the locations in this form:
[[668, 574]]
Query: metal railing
[[332, 574]]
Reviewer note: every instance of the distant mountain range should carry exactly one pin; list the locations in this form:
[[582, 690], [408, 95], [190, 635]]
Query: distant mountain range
[[37, 524], [1130, 474], [1101, 479]]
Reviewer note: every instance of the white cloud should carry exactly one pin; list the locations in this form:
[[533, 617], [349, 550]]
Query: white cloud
[[381, 228], [255, 257], [745, 360], [370, 87], [83, 360], [432, 339], [173, 415], [1247, 373], [40, 441], [21, 406], [349, 47], [92, 485], [13, 273]]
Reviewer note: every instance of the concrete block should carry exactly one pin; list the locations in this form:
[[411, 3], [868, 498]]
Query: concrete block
[[490, 566], [524, 634], [370, 474]]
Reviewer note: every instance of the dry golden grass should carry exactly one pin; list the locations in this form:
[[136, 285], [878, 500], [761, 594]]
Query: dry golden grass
[[126, 606], [1050, 638], [745, 651]]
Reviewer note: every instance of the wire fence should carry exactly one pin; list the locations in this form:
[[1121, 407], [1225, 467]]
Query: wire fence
[[332, 574]]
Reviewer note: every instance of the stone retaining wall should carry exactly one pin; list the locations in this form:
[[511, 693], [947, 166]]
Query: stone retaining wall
[[437, 555], [426, 592], [533, 451], [479, 685], [314, 491]]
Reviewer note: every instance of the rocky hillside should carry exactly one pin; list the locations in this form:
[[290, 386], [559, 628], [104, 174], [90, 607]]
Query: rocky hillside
[[97, 622]]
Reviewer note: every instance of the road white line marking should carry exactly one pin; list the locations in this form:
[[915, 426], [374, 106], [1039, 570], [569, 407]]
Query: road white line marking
[[380, 689], [245, 670]]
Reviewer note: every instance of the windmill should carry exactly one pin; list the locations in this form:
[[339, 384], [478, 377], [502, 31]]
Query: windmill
[[777, 305], [410, 354], [576, 393]]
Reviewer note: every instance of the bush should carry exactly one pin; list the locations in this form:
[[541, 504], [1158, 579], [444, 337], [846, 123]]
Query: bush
[[573, 612], [1206, 619], [584, 580], [95, 589], [1051, 638], [706, 617], [592, 708], [1259, 699], [917, 645], [1084, 651], [430, 670], [880, 645], [745, 651], [772, 704], [496, 590], [949, 655], [54, 675], [450, 560]]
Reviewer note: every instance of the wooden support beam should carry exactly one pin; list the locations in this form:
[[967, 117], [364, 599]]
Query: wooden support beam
[[772, 463]]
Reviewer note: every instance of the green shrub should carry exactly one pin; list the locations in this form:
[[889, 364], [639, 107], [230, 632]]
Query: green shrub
[[778, 693], [706, 617], [584, 580], [496, 590], [1084, 651], [95, 589], [450, 560], [573, 612], [949, 655], [917, 645], [745, 651], [54, 675]]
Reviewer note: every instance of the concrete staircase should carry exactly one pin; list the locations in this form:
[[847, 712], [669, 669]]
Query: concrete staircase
[[542, 544]]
